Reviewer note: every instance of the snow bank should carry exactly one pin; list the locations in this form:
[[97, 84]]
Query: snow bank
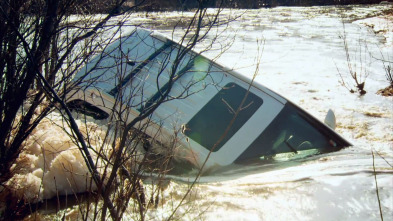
[[51, 164]]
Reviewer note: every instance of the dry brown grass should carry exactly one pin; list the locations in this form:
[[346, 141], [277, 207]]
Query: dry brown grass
[[388, 91]]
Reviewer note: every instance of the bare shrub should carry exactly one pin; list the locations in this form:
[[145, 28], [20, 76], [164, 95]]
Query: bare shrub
[[389, 74], [42, 50], [354, 78]]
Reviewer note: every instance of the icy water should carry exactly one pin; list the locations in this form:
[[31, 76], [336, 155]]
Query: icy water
[[302, 55]]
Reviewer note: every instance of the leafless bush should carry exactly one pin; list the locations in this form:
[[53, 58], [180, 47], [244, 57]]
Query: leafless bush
[[38, 41], [124, 166], [389, 74], [357, 66], [38, 49]]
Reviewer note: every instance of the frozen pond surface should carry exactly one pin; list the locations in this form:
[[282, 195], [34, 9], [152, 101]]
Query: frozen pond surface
[[302, 53]]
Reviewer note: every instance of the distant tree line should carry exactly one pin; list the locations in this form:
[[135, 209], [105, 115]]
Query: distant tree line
[[189, 4], [103, 6], [275, 3]]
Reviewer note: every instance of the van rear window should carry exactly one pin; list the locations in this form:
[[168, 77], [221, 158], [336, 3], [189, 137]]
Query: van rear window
[[210, 123]]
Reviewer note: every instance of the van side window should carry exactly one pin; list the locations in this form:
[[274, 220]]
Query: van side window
[[210, 123]]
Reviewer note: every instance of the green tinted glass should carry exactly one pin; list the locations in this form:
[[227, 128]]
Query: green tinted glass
[[291, 131], [211, 122]]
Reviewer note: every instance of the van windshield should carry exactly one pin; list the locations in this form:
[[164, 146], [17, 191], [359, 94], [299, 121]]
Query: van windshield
[[293, 130]]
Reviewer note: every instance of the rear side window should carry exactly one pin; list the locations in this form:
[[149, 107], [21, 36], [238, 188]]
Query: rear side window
[[210, 123]]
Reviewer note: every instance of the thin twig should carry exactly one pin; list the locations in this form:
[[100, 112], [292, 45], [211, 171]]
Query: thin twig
[[376, 186]]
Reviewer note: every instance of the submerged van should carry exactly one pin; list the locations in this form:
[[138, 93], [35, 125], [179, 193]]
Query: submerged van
[[223, 116]]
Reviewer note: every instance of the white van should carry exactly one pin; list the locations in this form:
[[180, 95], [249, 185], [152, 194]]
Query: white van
[[220, 113]]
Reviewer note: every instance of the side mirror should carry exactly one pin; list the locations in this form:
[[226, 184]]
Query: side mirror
[[330, 119]]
